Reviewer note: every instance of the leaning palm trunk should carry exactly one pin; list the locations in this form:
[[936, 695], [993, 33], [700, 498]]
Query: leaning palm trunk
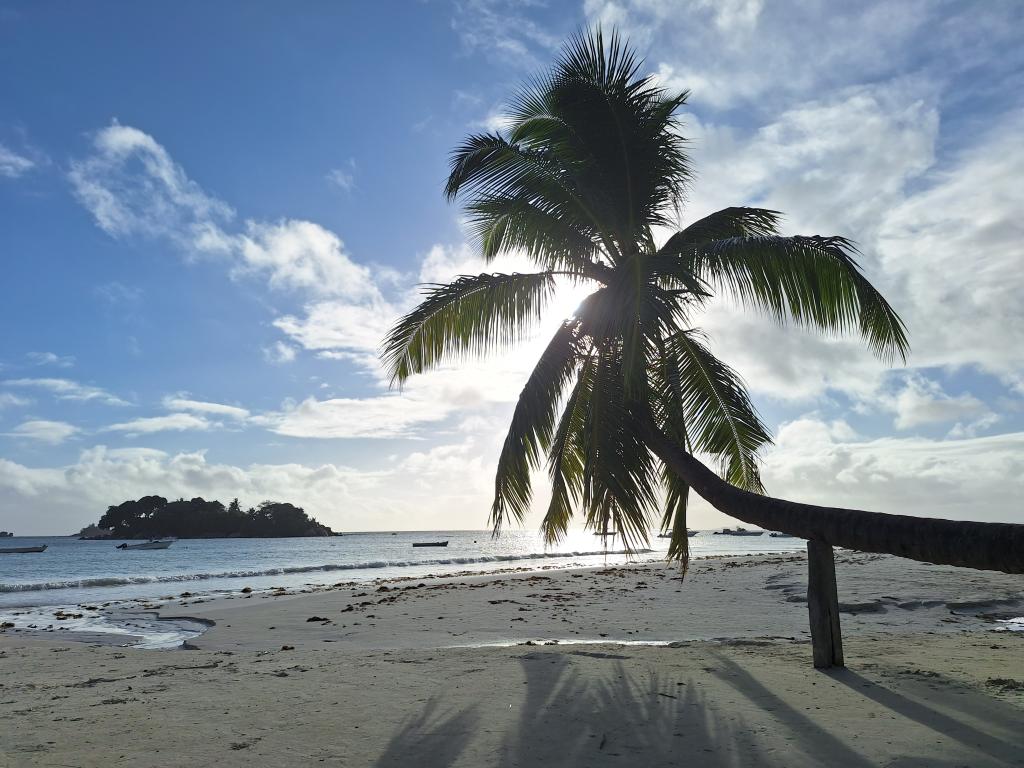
[[591, 163], [986, 546]]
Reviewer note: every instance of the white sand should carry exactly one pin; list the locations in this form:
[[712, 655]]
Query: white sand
[[928, 682]]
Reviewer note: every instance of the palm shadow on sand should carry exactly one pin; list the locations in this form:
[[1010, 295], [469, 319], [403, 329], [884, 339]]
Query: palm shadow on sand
[[572, 715]]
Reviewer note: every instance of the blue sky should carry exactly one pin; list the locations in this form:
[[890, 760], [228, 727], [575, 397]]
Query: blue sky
[[210, 213]]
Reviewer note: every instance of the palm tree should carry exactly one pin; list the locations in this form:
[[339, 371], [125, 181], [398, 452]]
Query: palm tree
[[590, 164]]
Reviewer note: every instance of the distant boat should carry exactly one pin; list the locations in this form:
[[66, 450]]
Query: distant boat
[[737, 531], [147, 545], [430, 543], [689, 532], [778, 535], [21, 550]]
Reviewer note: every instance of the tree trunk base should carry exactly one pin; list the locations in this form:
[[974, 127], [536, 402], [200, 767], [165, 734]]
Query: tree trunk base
[[823, 606]]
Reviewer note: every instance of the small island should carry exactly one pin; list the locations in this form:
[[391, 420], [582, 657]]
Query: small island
[[153, 517]]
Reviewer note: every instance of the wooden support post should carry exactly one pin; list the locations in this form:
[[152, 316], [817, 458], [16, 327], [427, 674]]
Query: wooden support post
[[823, 605]]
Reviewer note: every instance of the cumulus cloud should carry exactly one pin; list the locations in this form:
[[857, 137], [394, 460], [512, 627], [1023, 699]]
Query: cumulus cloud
[[65, 389], [62, 499], [51, 432], [979, 478], [922, 401], [279, 353]]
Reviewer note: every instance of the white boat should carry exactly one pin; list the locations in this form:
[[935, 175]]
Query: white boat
[[147, 545], [21, 550], [689, 532], [737, 531], [778, 535]]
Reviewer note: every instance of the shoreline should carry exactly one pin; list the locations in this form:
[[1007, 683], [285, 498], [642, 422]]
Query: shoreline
[[464, 671], [739, 597]]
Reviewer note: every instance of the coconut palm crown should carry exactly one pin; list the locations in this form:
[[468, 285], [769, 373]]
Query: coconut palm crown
[[590, 163]]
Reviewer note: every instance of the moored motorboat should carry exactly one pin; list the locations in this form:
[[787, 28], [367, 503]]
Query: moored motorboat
[[737, 531], [21, 550], [155, 544], [780, 535], [689, 532], [430, 543]]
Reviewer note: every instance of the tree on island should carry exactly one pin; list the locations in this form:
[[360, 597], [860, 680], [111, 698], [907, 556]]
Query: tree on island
[[155, 517], [592, 160]]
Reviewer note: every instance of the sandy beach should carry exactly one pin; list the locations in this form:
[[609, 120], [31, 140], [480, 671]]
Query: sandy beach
[[616, 666]]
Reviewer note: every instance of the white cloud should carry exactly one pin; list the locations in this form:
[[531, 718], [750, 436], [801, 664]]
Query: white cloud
[[51, 358], [339, 326], [7, 400], [116, 292], [954, 248], [500, 30], [961, 430], [174, 422], [65, 389], [13, 165], [978, 478], [814, 46], [52, 432], [132, 186], [62, 499], [279, 353], [181, 402], [923, 401], [391, 415], [343, 178], [301, 255]]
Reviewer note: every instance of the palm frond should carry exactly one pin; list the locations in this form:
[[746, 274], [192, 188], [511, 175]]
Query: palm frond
[[719, 417], [669, 386], [504, 224], [737, 221], [618, 475], [566, 458], [815, 281], [533, 422], [471, 315], [488, 166]]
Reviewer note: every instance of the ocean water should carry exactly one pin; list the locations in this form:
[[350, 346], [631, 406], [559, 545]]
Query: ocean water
[[72, 571], [71, 574]]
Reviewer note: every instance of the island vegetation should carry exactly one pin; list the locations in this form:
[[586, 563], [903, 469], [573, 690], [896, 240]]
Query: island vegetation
[[156, 517]]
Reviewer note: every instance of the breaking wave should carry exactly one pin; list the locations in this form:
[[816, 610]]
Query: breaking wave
[[119, 581]]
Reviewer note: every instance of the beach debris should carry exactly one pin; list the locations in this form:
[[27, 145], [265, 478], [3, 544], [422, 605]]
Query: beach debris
[[317, 618], [6, 624], [287, 647], [246, 591], [1005, 684]]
